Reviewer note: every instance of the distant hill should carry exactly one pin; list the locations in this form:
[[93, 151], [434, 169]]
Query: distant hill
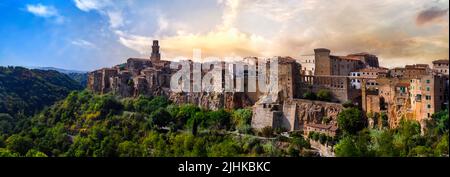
[[65, 71], [79, 76], [27, 91]]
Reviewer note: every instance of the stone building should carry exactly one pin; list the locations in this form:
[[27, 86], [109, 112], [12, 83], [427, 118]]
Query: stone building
[[329, 130], [415, 95], [307, 63], [326, 64], [428, 96], [441, 66], [141, 76], [410, 71]]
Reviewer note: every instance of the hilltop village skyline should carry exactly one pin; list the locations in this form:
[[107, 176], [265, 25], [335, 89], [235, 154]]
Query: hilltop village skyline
[[413, 92]]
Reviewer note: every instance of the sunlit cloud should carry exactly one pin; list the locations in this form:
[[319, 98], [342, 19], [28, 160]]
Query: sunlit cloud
[[286, 28]]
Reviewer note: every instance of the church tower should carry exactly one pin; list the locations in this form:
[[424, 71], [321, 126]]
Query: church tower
[[156, 56]]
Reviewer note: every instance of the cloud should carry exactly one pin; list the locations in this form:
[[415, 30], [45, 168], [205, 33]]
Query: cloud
[[115, 18], [45, 12], [223, 41], [83, 43], [429, 15], [282, 27], [88, 5], [104, 7], [41, 10]]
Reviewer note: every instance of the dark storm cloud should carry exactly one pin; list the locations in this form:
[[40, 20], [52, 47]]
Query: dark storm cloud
[[430, 15]]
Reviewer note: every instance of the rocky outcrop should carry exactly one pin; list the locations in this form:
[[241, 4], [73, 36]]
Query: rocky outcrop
[[295, 114]]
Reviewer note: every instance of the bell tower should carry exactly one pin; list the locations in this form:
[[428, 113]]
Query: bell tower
[[156, 56]]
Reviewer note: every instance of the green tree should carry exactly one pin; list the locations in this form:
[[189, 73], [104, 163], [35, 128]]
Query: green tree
[[442, 146], [241, 119], [20, 144], [346, 148], [7, 153], [385, 144], [351, 121], [219, 119], [441, 118], [322, 138], [160, 118], [130, 149], [354, 145], [35, 153], [6, 123]]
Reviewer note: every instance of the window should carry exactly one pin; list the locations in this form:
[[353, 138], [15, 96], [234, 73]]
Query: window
[[429, 106], [428, 97], [428, 88], [428, 81]]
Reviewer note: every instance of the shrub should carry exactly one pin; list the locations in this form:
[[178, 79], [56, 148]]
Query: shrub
[[309, 95], [267, 131], [348, 104], [324, 95]]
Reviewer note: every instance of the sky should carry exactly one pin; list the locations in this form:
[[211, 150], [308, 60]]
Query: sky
[[92, 34]]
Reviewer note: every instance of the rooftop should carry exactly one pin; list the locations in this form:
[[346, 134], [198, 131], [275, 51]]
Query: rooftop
[[443, 61]]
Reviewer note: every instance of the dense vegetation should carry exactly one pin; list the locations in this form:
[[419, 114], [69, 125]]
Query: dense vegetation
[[81, 78], [85, 124], [322, 95], [404, 141], [24, 92]]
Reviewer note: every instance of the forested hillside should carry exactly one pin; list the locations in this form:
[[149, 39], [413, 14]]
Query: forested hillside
[[85, 124], [25, 92]]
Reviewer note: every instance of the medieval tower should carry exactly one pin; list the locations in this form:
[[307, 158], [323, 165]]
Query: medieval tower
[[156, 56], [323, 62]]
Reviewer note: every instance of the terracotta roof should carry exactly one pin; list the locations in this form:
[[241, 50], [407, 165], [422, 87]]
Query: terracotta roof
[[285, 60], [372, 70], [323, 126], [417, 66], [440, 62], [344, 58], [360, 54], [402, 85]]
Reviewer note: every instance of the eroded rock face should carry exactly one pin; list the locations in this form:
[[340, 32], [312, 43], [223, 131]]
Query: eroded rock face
[[212, 100], [295, 114], [316, 112]]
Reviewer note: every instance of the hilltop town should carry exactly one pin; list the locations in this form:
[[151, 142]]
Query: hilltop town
[[414, 92]]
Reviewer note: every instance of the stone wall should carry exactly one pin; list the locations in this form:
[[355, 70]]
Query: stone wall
[[295, 114]]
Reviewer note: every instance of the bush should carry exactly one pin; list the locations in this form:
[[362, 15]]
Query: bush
[[348, 104], [309, 95], [296, 134], [267, 131], [241, 119], [324, 95], [322, 138]]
